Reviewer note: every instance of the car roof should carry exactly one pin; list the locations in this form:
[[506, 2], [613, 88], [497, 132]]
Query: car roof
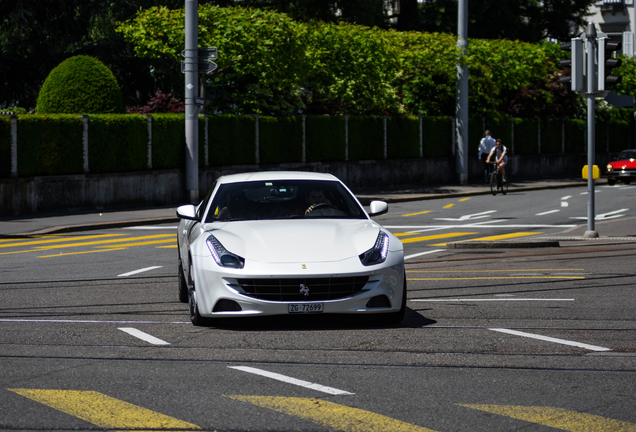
[[275, 175]]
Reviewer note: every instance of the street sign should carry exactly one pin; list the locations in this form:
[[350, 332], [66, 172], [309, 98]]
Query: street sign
[[204, 53], [202, 67], [199, 101]]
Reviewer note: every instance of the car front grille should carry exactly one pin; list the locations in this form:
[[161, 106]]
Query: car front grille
[[295, 289]]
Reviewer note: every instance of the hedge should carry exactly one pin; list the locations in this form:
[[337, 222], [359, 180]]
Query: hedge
[[53, 144], [50, 145], [366, 137], [5, 146], [231, 139], [403, 137], [118, 143], [325, 138], [280, 139], [437, 137]]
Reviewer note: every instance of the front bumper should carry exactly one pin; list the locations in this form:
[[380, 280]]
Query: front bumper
[[215, 284]]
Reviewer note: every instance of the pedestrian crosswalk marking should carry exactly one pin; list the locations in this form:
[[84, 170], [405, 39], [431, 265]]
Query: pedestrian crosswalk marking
[[329, 414], [557, 418], [104, 411]]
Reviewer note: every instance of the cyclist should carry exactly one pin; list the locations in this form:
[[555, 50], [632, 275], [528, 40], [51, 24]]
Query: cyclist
[[501, 158]]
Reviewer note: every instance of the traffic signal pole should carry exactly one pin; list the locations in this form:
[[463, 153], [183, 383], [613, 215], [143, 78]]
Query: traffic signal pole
[[192, 110], [461, 108], [591, 129]]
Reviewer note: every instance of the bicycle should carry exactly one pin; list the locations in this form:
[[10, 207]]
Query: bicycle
[[496, 182]]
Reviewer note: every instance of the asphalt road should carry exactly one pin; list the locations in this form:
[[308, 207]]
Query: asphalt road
[[495, 339]]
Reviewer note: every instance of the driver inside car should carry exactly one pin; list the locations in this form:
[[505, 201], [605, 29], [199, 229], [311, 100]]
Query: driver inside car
[[314, 198]]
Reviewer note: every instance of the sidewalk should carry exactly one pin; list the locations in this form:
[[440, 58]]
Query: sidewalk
[[614, 231]]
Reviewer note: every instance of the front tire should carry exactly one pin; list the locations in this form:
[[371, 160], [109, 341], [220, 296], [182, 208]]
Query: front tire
[[183, 286], [611, 181], [195, 318], [493, 183], [396, 318]]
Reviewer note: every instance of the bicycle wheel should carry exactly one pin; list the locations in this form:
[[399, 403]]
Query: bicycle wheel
[[493, 183]]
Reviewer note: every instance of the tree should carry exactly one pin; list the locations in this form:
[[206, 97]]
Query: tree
[[525, 20], [80, 85], [37, 36]]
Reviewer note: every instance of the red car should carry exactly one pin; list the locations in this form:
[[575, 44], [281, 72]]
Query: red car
[[622, 169]]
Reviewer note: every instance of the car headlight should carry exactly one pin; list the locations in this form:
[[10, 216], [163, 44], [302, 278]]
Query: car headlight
[[377, 254], [609, 167], [222, 256]]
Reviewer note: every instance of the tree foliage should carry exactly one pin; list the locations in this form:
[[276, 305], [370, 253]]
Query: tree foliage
[[80, 85], [270, 64]]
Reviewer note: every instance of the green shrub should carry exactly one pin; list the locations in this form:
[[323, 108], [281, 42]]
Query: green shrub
[[526, 136], [403, 137], [80, 85], [551, 136], [168, 141], [325, 138], [366, 137], [5, 147], [50, 145], [117, 143], [280, 139], [437, 136], [232, 139], [575, 135], [618, 137]]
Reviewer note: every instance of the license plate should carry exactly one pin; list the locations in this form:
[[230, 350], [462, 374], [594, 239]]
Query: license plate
[[305, 308], [625, 174]]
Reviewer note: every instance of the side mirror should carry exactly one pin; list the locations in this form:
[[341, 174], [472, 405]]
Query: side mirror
[[378, 208], [187, 211]]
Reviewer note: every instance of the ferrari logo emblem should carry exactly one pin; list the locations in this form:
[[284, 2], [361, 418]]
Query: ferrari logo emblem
[[304, 290], [304, 266]]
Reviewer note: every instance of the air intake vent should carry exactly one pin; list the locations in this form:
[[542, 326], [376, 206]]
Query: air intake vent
[[303, 289]]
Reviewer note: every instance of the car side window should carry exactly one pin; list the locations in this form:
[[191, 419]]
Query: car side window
[[204, 203]]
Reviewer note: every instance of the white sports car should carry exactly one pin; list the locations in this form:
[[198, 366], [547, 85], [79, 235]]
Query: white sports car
[[280, 243]]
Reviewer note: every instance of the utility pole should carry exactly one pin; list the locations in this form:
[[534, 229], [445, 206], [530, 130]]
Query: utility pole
[[591, 128], [461, 108], [192, 111]]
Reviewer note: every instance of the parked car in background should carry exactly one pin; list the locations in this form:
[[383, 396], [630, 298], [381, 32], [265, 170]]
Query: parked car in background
[[287, 243], [622, 169]]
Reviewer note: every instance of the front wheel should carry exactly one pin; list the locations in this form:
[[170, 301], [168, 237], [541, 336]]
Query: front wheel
[[183, 286], [396, 318], [493, 183], [193, 307]]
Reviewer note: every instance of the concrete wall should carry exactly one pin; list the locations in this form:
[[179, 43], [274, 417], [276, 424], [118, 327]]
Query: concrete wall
[[33, 195]]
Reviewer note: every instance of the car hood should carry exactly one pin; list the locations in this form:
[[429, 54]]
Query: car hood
[[626, 163], [284, 241]]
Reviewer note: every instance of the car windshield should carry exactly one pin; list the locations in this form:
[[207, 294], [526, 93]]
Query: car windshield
[[627, 155], [283, 199]]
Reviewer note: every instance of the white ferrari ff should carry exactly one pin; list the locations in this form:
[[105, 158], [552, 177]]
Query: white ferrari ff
[[281, 243]]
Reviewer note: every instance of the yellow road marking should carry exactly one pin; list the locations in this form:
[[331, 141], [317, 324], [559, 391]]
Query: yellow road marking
[[449, 205], [497, 237], [557, 418], [506, 236], [464, 199], [79, 253], [329, 414], [57, 239], [168, 247], [104, 411], [497, 277], [433, 237], [140, 243], [103, 242], [487, 271], [415, 214]]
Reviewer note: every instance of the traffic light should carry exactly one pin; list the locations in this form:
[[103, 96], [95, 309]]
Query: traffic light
[[606, 63], [576, 63]]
